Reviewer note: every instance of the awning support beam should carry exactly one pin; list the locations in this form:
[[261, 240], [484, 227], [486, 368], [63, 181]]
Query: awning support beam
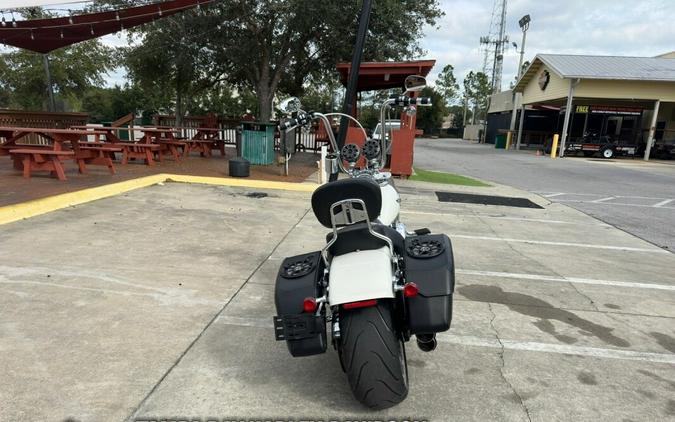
[[652, 130], [520, 126], [568, 113]]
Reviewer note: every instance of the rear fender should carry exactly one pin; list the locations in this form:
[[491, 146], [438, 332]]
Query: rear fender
[[361, 275]]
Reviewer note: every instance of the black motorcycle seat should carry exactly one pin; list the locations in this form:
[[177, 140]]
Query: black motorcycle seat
[[330, 193], [358, 238]]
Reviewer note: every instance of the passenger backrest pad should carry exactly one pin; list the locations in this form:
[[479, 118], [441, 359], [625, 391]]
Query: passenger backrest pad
[[363, 189]]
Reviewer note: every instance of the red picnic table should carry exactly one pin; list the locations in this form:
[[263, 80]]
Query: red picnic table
[[31, 157], [204, 139], [208, 139], [166, 138], [142, 149]]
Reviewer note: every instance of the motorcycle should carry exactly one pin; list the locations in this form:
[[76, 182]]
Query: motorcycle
[[375, 283]]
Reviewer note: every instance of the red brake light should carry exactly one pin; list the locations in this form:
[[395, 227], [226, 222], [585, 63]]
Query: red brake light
[[309, 305], [361, 304], [410, 290]]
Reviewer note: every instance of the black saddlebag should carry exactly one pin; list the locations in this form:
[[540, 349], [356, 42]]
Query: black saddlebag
[[429, 264], [299, 278]]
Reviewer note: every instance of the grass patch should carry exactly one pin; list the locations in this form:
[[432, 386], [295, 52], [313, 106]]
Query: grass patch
[[445, 178]]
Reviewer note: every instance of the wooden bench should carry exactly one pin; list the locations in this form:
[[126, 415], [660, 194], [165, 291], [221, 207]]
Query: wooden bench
[[97, 153], [202, 145], [41, 159], [132, 150], [170, 146], [218, 145]]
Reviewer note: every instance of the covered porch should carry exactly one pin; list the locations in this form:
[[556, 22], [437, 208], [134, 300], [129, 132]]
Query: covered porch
[[588, 98]]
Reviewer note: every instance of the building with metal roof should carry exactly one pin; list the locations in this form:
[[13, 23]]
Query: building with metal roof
[[623, 99]]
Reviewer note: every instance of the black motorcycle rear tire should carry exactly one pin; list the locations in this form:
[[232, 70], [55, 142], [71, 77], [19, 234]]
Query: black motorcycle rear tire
[[373, 355]]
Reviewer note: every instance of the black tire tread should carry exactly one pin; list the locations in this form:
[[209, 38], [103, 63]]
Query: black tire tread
[[370, 353]]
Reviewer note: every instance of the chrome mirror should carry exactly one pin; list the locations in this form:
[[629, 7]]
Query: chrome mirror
[[415, 83], [290, 105]]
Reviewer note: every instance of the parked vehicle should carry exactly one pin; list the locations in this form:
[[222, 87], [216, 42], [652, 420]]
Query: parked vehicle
[[389, 126], [591, 144], [374, 282]]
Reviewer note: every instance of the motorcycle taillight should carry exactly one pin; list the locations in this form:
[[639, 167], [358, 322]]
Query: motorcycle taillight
[[360, 304]]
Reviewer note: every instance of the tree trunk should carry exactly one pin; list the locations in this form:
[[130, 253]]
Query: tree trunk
[[179, 108], [264, 104], [266, 85]]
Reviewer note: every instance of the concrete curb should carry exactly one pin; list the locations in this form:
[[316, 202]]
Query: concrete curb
[[21, 211]]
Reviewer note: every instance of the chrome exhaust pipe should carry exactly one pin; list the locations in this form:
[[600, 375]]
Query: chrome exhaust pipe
[[427, 342]]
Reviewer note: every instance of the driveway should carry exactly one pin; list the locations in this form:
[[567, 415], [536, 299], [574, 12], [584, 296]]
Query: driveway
[[628, 193]]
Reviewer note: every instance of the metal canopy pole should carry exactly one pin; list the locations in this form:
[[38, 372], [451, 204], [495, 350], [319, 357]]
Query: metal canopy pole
[[652, 130], [50, 87], [520, 127], [568, 113], [350, 94]]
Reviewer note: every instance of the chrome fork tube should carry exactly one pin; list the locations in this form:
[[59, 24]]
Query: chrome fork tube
[[383, 131]]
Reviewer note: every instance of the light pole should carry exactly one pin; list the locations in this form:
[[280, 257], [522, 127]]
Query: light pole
[[524, 24]]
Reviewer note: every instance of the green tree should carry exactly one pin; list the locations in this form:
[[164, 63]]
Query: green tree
[[284, 42], [109, 104], [23, 83], [318, 93], [268, 46], [73, 70], [430, 119], [172, 59], [477, 89], [447, 85]]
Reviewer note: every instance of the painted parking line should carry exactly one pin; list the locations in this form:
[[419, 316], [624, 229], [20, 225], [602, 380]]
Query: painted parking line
[[550, 243], [530, 346], [561, 279], [500, 217], [608, 200], [493, 343], [614, 203], [546, 194], [663, 203], [601, 200]]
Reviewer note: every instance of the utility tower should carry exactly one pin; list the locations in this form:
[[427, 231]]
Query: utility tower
[[494, 44]]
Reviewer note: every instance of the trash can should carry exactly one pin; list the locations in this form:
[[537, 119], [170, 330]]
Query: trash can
[[257, 142], [500, 141], [239, 167]]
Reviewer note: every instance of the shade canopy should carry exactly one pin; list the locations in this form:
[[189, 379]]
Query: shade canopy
[[385, 75], [45, 35]]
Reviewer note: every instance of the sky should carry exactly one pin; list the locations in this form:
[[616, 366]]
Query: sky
[[600, 27]]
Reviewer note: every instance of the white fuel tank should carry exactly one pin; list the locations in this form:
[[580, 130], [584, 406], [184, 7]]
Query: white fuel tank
[[391, 204]]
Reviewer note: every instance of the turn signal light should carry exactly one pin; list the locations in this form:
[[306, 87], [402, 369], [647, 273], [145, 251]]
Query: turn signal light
[[410, 290], [361, 304], [309, 305]]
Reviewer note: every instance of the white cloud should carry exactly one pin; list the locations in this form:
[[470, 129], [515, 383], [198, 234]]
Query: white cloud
[[604, 27]]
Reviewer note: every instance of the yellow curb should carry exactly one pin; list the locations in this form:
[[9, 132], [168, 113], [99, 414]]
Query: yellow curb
[[245, 183], [16, 212]]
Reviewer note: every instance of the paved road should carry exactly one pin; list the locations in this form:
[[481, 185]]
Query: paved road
[[635, 196]]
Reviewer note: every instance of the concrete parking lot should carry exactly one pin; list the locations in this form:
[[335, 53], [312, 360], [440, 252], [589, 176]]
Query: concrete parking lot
[[631, 194], [158, 303]]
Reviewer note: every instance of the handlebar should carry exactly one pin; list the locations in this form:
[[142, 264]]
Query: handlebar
[[404, 101], [301, 120]]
